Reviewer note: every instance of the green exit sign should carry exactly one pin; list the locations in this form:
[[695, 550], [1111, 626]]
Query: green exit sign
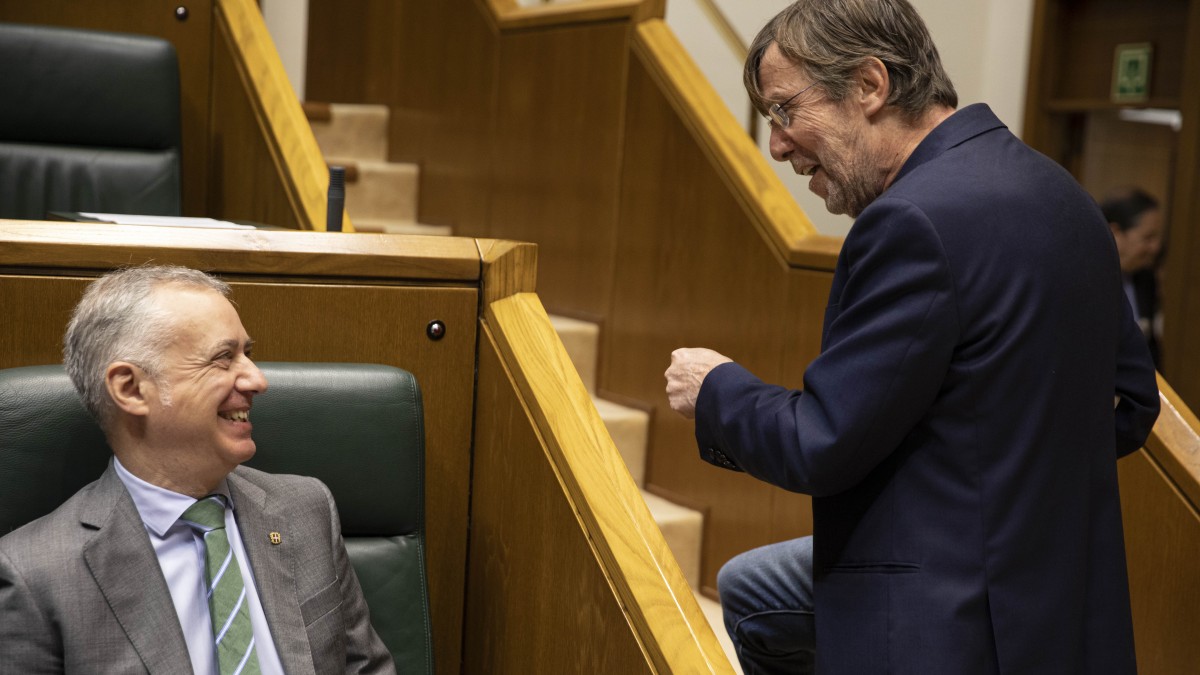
[[1131, 72]]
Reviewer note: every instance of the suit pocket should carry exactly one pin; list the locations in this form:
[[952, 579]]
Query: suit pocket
[[323, 602], [866, 625], [875, 568]]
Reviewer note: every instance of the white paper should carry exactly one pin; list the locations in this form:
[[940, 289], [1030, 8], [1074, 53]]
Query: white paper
[[165, 221]]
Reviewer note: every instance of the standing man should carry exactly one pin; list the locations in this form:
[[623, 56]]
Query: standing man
[[147, 570], [980, 374]]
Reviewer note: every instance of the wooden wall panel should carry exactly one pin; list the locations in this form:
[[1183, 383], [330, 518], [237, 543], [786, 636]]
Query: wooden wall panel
[[1162, 539], [1181, 290], [555, 156], [443, 109], [533, 577], [1119, 154], [1093, 29], [509, 134], [345, 40], [36, 311], [193, 45], [433, 64], [243, 182], [691, 270]]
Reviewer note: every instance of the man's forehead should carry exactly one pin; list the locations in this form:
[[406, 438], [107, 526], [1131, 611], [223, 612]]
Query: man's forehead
[[196, 308], [777, 71]]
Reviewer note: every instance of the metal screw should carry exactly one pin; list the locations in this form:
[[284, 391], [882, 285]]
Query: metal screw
[[181, 13], [436, 330]]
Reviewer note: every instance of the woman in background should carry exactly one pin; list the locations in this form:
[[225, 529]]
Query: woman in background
[[1137, 225]]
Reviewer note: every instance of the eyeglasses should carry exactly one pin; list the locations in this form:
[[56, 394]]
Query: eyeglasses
[[778, 116]]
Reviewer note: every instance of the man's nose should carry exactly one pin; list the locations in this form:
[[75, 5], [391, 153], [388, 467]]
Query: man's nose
[[779, 144], [251, 380]]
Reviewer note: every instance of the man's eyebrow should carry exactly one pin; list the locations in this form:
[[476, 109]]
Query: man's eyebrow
[[233, 344]]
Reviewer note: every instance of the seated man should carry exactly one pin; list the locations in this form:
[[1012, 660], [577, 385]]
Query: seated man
[[178, 559]]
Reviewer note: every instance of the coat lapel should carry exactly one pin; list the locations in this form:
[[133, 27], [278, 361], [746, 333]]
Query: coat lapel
[[274, 571], [125, 567]]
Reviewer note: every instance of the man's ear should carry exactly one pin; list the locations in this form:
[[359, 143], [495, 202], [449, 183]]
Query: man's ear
[[875, 85], [129, 387]]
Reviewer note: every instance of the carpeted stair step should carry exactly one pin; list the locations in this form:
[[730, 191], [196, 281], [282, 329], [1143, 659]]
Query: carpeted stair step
[[682, 528], [389, 226], [629, 428], [353, 131], [379, 190]]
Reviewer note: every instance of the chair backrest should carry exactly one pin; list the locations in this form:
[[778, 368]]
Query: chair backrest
[[90, 122], [359, 428]]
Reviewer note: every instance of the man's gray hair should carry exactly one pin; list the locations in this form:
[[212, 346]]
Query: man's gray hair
[[831, 39], [116, 321]]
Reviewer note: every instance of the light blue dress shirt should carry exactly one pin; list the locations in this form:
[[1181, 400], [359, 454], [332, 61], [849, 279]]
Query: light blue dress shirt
[[180, 553]]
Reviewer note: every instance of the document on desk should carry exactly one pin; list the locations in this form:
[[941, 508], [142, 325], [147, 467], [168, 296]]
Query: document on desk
[[165, 221]]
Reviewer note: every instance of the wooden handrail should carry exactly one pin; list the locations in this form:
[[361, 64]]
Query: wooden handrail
[[83, 246], [280, 116], [1175, 444], [668, 623], [508, 15]]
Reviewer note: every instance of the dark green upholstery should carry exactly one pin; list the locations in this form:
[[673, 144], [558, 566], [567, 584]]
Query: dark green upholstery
[[90, 122], [359, 428]]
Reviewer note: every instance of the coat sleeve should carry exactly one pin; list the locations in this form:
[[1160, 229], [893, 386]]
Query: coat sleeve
[[1137, 388], [28, 641], [890, 332], [365, 652]]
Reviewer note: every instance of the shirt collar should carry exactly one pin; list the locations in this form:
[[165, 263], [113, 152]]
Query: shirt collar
[[160, 508]]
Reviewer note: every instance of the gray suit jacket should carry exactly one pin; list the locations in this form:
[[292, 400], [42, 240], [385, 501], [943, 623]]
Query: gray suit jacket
[[81, 590]]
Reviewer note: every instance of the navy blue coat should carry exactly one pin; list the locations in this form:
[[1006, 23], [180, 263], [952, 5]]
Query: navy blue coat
[[957, 431]]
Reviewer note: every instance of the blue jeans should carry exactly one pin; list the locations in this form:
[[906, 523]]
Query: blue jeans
[[767, 599]]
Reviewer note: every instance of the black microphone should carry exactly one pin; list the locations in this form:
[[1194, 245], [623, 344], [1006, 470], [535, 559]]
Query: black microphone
[[337, 199]]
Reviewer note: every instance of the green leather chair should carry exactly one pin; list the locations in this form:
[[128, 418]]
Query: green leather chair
[[90, 122], [359, 428]]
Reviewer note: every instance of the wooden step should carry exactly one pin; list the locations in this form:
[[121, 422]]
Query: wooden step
[[629, 428], [387, 226], [351, 131], [683, 529], [381, 191]]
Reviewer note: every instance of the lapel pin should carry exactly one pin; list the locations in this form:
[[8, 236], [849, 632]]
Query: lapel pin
[[276, 538]]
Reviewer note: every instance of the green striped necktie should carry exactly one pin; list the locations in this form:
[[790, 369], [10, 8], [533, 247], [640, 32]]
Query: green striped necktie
[[227, 602]]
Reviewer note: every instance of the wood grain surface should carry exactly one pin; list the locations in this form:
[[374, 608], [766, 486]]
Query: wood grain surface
[[300, 169], [647, 580], [69, 245]]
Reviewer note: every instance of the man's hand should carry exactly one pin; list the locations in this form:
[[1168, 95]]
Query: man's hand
[[688, 369]]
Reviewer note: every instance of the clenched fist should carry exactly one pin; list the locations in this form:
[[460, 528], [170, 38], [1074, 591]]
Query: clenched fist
[[689, 367]]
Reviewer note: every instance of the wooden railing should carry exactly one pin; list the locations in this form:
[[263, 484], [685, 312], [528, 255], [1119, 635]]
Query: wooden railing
[[280, 131], [590, 489], [1160, 504]]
